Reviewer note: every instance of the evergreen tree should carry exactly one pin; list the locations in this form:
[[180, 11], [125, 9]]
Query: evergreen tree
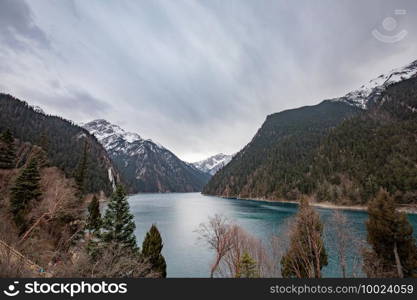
[[118, 224], [25, 189], [151, 251], [7, 151], [306, 255], [390, 234], [80, 173], [94, 221], [247, 267]]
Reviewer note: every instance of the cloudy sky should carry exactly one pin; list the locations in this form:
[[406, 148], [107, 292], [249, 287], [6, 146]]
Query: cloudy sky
[[197, 76]]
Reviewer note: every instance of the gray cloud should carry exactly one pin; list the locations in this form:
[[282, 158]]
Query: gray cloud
[[197, 76], [17, 25], [79, 104]]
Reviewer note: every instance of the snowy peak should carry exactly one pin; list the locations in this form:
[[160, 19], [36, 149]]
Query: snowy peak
[[361, 96], [214, 163], [108, 133], [146, 166]]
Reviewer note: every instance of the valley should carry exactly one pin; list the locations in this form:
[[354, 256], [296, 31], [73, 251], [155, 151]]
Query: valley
[[339, 163]]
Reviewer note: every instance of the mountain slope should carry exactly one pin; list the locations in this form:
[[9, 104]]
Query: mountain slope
[[375, 149], [144, 165], [62, 140], [213, 164], [320, 150], [273, 164]]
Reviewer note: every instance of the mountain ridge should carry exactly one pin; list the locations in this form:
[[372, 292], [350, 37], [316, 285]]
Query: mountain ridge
[[144, 165], [213, 163], [301, 151], [373, 88]]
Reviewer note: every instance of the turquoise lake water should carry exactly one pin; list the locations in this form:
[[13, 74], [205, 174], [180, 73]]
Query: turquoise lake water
[[178, 215]]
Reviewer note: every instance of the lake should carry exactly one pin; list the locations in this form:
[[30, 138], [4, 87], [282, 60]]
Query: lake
[[178, 215]]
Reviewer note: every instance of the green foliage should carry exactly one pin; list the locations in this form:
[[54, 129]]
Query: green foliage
[[248, 267], [26, 188], [94, 221], [63, 141], [306, 255], [389, 231], [151, 251], [7, 150], [118, 223]]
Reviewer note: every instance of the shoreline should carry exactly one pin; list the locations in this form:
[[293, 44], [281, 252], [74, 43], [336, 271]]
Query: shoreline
[[412, 210]]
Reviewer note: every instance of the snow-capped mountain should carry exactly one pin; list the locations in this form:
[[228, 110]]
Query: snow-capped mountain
[[146, 166], [112, 136], [214, 163], [370, 91]]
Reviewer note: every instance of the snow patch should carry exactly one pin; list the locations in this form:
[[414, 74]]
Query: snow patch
[[361, 96], [116, 139], [213, 164]]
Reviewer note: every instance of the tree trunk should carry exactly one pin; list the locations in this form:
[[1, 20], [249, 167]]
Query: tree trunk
[[25, 236], [398, 262], [344, 270], [214, 267]]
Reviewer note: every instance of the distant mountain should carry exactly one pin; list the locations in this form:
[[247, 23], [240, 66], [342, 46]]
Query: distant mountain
[[213, 164], [144, 165], [341, 150], [62, 140]]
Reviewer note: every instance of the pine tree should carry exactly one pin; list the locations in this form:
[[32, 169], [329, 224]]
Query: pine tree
[[81, 171], [151, 251], [7, 151], [118, 224], [306, 255], [94, 221], [25, 189], [247, 267], [390, 234]]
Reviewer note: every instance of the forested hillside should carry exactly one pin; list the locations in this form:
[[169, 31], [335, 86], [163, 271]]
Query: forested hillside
[[373, 150], [275, 163], [50, 228], [332, 151], [64, 142]]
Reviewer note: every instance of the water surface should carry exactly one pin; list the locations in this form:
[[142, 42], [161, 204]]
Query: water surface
[[178, 215]]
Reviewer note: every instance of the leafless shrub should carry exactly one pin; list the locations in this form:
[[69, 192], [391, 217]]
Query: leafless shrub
[[114, 261], [12, 268], [242, 242], [12, 262], [348, 246], [56, 219], [230, 243], [217, 234]]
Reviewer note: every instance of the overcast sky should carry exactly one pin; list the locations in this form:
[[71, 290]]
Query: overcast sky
[[199, 77]]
